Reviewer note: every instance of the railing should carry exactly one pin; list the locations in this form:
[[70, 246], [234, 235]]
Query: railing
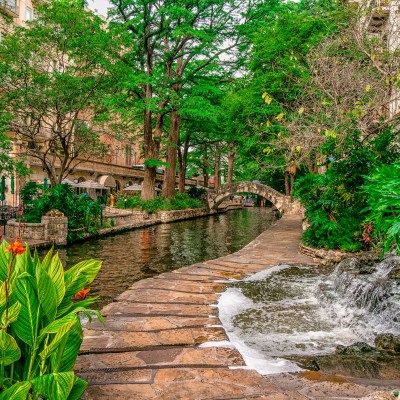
[[10, 6], [7, 213]]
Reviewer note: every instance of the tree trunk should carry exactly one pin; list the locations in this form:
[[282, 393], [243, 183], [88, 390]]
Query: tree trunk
[[287, 187], [149, 180], [168, 188], [291, 186], [205, 167], [231, 162], [182, 162], [217, 167]]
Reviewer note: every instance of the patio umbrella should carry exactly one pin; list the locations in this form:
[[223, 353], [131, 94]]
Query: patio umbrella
[[12, 185], [3, 188]]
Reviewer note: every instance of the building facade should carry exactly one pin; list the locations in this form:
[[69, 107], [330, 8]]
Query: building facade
[[120, 166]]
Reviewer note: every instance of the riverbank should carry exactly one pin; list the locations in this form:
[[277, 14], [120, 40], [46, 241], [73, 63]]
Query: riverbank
[[163, 340], [119, 220]]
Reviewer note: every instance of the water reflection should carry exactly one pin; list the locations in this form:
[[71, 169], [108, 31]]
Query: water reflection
[[141, 253]]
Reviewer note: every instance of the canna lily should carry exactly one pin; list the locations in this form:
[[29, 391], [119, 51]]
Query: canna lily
[[16, 247], [82, 294]]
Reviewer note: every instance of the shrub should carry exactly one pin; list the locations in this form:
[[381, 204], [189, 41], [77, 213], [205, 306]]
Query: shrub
[[180, 202], [383, 189], [41, 329], [82, 212]]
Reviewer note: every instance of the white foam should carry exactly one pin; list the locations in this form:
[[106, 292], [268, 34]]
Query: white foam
[[221, 343], [231, 303], [259, 276]]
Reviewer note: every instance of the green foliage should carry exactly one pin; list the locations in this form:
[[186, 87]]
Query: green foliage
[[83, 213], [181, 201], [196, 193], [336, 202], [40, 84], [41, 329], [383, 191]]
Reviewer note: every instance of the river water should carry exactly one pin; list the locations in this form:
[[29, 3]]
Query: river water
[[289, 317], [141, 253]]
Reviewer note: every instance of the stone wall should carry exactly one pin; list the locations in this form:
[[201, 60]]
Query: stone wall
[[128, 217], [177, 215], [326, 257], [50, 230]]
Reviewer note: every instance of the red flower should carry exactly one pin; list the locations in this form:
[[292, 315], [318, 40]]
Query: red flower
[[16, 247], [82, 294]]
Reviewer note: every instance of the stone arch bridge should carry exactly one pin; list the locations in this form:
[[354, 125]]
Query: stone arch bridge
[[281, 202]]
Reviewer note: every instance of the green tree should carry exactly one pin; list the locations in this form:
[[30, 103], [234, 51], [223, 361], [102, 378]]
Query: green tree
[[53, 76], [171, 46]]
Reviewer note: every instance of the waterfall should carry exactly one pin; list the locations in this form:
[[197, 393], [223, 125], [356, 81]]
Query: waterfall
[[364, 301]]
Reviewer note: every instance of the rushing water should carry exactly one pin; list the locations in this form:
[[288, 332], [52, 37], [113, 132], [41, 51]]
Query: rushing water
[[285, 314], [130, 256]]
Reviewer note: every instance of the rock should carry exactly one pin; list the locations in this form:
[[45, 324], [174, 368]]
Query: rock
[[378, 396], [388, 341], [356, 348], [395, 273], [349, 264], [365, 269]]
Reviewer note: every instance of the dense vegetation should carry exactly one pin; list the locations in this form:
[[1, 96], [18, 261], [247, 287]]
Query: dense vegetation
[[278, 91], [180, 202], [41, 332], [83, 213]]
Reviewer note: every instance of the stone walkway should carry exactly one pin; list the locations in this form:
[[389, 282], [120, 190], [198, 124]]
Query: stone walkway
[[149, 347]]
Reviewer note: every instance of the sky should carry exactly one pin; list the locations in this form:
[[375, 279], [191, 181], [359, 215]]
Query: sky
[[99, 5]]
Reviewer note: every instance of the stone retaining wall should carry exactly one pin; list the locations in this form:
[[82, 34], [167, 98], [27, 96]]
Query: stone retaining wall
[[128, 217], [177, 215], [325, 256], [50, 230]]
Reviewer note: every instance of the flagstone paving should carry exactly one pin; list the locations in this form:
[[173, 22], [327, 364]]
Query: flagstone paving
[[149, 346]]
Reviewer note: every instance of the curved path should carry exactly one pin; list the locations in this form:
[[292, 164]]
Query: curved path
[[149, 347]]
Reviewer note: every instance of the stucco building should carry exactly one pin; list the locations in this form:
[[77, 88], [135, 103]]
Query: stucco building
[[122, 164]]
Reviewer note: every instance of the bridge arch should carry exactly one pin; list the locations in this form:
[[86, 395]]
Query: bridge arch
[[281, 202]]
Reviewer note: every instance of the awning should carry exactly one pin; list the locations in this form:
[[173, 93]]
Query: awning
[[107, 180]]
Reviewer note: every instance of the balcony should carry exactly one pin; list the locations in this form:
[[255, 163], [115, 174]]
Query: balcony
[[10, 7]]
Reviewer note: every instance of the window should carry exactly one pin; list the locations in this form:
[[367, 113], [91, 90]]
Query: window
[[28, 14], [128, 154]]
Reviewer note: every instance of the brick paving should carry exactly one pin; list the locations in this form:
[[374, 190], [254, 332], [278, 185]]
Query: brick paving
[[149, 347]]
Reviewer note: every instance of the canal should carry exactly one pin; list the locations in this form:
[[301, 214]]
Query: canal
[[141, 253]]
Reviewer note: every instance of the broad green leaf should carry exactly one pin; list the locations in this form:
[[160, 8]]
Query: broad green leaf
[[23, 263], [18, 391], [26, 326], [64, 307], [9, 350], [54, 386], [53, 266], [46, 293], [80, 275], [9, 317], [78, 389], [3, 296], [5, 257], [47, 259], [65, 358], [52, 346]]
